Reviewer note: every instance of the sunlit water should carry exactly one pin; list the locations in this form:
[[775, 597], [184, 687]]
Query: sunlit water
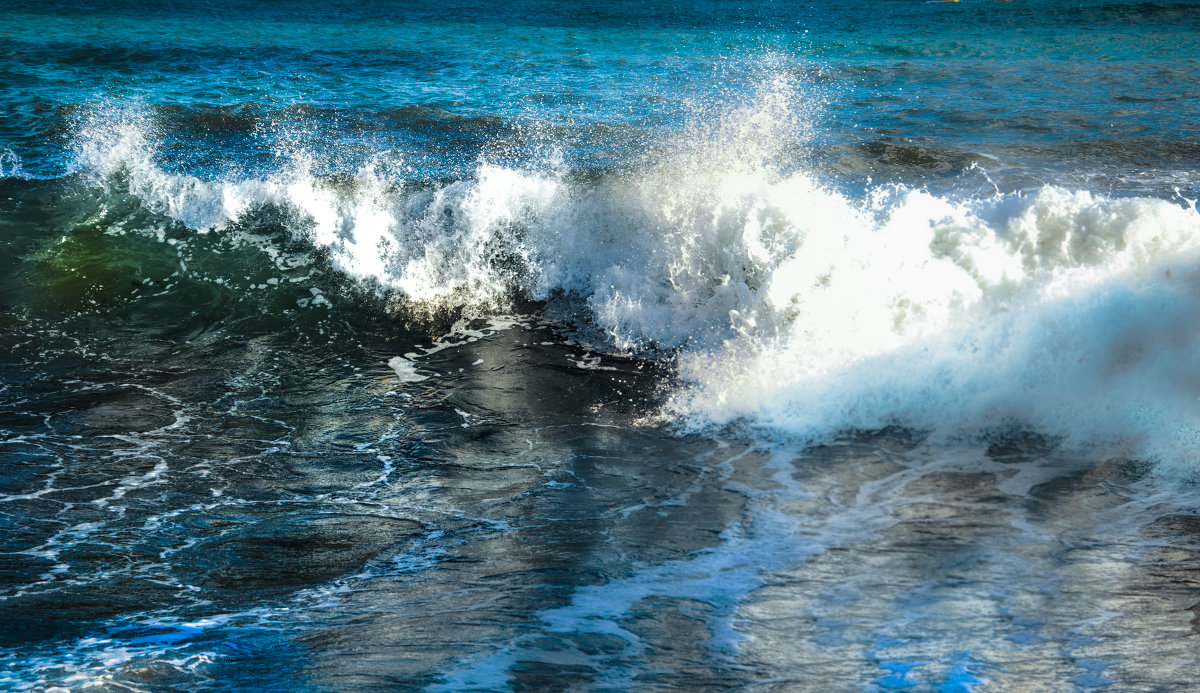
[[603, 346]]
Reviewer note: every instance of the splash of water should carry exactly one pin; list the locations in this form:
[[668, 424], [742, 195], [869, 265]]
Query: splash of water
[[795, 309]]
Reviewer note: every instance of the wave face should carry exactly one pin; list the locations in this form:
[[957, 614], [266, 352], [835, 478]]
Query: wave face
[[375, 346], [792, 308]]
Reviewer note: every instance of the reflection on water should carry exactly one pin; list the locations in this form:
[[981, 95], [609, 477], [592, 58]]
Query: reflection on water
[[503, 524]]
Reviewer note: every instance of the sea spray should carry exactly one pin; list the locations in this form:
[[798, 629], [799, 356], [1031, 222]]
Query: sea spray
[[377, 346], [1057, 312], [793, 308]]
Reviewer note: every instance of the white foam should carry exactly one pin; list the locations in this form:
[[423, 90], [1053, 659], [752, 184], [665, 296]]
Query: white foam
[[798, 310], [10, 165], [1060, 311], [405, 370]]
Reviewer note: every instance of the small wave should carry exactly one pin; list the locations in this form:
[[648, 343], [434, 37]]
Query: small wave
[[424, 118], [218, 119], [1136, 13]]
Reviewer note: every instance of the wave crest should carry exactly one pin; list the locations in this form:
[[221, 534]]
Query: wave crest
[[794, 309]]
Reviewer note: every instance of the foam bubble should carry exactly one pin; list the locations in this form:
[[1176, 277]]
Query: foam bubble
[[10, 165], [1061, 311], [796, 309], [405, 370]]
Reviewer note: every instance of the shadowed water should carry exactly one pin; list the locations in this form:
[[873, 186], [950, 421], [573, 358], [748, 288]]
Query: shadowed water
[[510, 525], [605, 346]]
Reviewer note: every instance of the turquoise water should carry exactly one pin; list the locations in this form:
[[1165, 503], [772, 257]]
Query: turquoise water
[[599, 346], [1076, 88]]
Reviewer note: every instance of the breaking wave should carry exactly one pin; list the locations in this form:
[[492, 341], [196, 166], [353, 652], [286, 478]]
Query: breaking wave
[[791, 307]]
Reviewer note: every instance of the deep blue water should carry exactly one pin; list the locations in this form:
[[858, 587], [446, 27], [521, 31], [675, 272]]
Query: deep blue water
[[599, 346]]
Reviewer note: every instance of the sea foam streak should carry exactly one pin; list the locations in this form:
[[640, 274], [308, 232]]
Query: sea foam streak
[[796, 310]]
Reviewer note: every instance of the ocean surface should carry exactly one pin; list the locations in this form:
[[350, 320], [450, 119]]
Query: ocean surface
[[599, 346]]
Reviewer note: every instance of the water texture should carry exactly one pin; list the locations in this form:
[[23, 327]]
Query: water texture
[[599, 346]]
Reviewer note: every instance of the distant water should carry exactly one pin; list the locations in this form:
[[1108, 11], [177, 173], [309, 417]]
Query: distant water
[[599, 346]]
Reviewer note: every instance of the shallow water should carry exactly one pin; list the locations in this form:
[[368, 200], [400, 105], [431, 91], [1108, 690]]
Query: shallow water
[[506, 523], [363, 346]]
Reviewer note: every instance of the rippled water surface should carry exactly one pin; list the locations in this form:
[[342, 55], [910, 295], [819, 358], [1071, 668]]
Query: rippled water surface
[[599, 346]]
